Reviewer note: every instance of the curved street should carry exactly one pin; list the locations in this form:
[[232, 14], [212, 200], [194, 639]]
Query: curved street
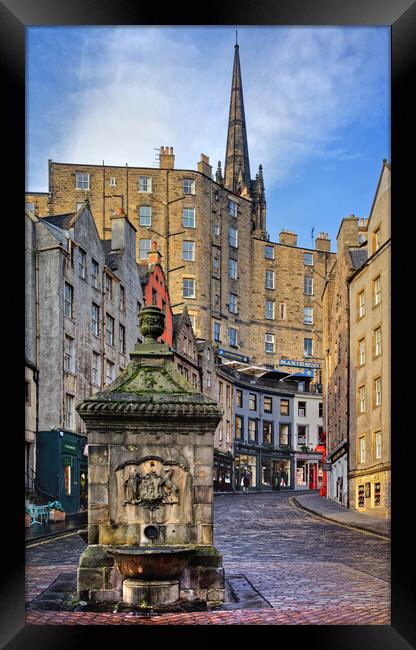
[[307, 570]]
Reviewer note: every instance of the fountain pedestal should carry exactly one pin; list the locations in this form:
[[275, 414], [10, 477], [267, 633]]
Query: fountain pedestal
[[150, 454], [152, 592]]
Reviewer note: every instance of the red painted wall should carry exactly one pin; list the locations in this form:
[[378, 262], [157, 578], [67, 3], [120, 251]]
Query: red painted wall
[[157, 285]]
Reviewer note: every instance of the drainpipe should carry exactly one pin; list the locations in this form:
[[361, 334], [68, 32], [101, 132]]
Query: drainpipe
[[348, 391], [36, 373], [102, 324]]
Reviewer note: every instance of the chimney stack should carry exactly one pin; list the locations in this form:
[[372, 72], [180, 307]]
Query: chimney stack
[[322, 243], [167, 159], [288, 237], [121, 230], [154, 255], [204, 167]]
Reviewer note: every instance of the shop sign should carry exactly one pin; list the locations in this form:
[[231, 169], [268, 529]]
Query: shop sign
[[293, 363], [337, 455], [69, 448], [233, 355]]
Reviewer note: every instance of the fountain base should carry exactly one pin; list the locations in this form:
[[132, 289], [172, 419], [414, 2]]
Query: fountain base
[[150, 592]]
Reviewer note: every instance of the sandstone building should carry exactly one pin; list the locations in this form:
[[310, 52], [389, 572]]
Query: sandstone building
[[244, 291]]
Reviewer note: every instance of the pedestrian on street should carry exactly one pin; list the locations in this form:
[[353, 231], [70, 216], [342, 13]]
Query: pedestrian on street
[[246, 482]]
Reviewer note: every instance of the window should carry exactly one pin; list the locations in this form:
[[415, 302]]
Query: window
[[377, 291], [361, 304], [145, 215], [29, 207], [284, 407], [233, 336], [377, 494], [28, 388], [109, 330], [377, 341], [269, 280], [108, 286], [267, 433], [377, 239], [269, 252], [78, 205], [320, 411], [307, 347], [232, 269], [82, 181], [220, 434], [308, 285], [227, 431], [282, 310], [232, 208], [209, 379], [233, 237], [69, 301], [82, 264], [188, 217], [302, 409], [109, 372], [67, 479], [361, 352], [145, 184], [361, 449], [217, 329], [215, 263], [232, 305], [69, 354], [122, 339], [252, 401], [302, 435], [188, 288], [96, 369], [362, 399], [227, 395], [122, 299], [283, 435], [95, 271], [239, 398], [269, 310], [239, 433], [378, 391], [308, 259], [377, 444], [144, 248], [69, 411], [192, 318], [217, 230], [267, 404], [188, 186], [112, 181], [252, 430], [95, 319], [269, 342], [308, 315], [188, 251], [220, 391]]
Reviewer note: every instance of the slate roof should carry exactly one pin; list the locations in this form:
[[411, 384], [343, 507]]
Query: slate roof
[[61, 220], [358, 257]]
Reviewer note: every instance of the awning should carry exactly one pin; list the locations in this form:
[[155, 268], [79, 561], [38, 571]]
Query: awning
[[297, 376]]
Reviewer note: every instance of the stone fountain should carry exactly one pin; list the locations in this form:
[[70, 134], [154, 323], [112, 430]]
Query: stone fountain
[[150, 490]]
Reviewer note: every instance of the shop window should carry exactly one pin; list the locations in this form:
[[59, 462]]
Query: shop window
[[377, 494], [267, 433], [360, 496], [266, 472], [67, 480]]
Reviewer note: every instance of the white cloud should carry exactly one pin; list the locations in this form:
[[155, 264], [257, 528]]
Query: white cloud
[[141, 88]]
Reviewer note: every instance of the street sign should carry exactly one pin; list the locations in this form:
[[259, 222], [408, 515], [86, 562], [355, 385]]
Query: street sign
[[293, 363], [233, 355]]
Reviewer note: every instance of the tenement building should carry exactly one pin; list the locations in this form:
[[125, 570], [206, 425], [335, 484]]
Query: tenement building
[[356, 334], [85, 295], [244, 291]]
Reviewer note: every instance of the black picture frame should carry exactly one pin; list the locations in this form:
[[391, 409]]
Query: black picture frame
[[15, 16]]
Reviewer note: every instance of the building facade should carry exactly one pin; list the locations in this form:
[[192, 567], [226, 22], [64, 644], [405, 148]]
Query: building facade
[[243, 291], [88, 296]]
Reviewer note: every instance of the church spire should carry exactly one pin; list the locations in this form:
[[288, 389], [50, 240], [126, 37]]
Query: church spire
[[236, 155]]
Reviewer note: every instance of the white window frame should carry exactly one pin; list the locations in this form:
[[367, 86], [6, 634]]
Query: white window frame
[[269, 279], [377, 290], [95, 323], [232, 268], [96, 369], [269, 252], [69, 354], [233, 303], [362, 399], [145, 249], [69, 411], [188, 217], [188, 251], [82, 263], [308, 315], [232, 208], [82, 183], [361, 442], [377, 444], [217, 230], [144, 185], [110, 374], [188, 186], [308, 285], [308, 259], [109, 331], [269, 310], [361, 304], [145, 216], [188, 287], [361, 352], [377, 342], [69, 312], [113, 182], [233, 237], [378, 391], [269, 340]]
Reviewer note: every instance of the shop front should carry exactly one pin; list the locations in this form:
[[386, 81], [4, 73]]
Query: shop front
[[268, 470], [62, 468], [308, 471], [222, 472], [338, 482]]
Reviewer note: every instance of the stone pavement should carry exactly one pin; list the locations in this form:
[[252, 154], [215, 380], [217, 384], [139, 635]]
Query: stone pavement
[[309, 570], [335, 512], [51, 528]]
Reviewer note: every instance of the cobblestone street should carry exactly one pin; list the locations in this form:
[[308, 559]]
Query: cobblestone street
[[309, 570]]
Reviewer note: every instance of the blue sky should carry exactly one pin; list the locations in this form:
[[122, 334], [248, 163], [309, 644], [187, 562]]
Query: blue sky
[[317, 103]]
